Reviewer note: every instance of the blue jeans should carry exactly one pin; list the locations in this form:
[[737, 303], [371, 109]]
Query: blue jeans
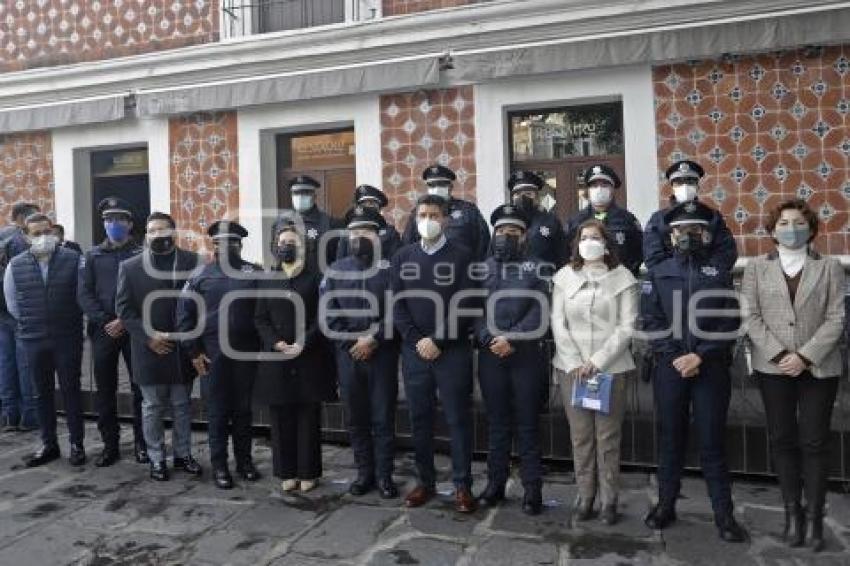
[[156, 400], [17, 392]]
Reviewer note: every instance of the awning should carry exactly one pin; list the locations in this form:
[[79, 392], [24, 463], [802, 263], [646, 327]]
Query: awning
[[393, 75], [61, 114], [695, 40]]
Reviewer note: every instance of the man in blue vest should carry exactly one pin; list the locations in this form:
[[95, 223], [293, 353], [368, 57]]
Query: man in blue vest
[[40, 287], [96, 290]]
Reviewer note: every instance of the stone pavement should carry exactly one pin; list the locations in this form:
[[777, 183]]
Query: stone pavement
[[59, 515]]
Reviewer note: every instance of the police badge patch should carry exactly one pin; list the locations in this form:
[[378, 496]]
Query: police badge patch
[[620, 237], [384, 264], [544, 231], [457, 214], [710, 271], [312, 233], [646, 287], [528, 266]]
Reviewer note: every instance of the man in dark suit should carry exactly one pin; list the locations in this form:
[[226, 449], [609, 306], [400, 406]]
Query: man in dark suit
[[160, 369]]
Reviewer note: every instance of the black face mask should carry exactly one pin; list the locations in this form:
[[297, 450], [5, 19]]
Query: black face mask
[[525, 204], [505, 247], [361, 248], [287, 253], [161, 244], [689, 243]]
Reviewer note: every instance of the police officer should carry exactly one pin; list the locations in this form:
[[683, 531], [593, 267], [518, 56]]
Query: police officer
[[227, 382], [368, 196], [601, 182], [366, 354], [96, 290], [466, 226], [511, 358], [692, 359], [684, 179], [316, 221], [545, 236]]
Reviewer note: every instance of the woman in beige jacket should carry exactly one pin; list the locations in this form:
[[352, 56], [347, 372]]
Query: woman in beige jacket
[[594, 308]]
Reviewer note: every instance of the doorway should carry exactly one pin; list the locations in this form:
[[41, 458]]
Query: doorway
[[329, 157], [561, 143], [121, 173]]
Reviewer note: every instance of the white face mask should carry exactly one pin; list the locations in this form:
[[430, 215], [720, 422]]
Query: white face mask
[[684, 193], [599, 196], [441, 191], [44, 245], [428, 229], [591, 250], [302, 203]]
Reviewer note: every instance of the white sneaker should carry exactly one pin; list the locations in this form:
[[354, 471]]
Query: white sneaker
[[307, 485], [288, 485]]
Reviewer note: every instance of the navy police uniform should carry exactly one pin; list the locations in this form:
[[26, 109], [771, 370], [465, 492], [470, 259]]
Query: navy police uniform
[[96, 289], [228, 385], [546, 237], [512, 385], [316, 221], [369, 388], [656, 238], [369, 196], [705, 397], [623, 227], [466, 226]]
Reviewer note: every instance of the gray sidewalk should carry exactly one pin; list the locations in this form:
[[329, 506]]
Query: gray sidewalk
[[59, 515]]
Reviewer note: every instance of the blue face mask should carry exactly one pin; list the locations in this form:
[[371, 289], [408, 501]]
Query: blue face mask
[[116, 230], [793, 238]]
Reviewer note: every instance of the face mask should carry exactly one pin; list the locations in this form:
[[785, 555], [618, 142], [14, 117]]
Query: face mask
[[505, 247], [302, 203], [525, 203], [361, 247], [792, 238], [591, 250], [428, 228], [599, 196], [161, 244], [441, 191], [684, 193], [287, 253], [116, 230], [43, 245], [689, 243]]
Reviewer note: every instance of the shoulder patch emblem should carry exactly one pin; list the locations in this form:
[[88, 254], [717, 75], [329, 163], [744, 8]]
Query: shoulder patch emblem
[[457, 214], [383, 264], [312, 233], [382, 232], [528, 266], [620, 237], [545, 231], [710, 271], [646, 287]]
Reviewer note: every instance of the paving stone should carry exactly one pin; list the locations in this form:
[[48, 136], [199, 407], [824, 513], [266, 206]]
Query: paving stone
[[230, 547], [159, 516], [497, 551], [295, 559], [138, 550], [51, 544], [25, 482], [420, 551], [346, 532], [693, 539], [442, 522], [272, 519]]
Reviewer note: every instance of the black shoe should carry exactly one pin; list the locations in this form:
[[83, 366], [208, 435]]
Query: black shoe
[[730, 531], [584, 510], [387, 489], [818, 542], [248, 472], [223, 479], [660, 516], [108, 457], [188, 465], [142, 453], [609, 514], [159, 471], [361, 486], [77, 457], [532, 500], [492, 495], [794, 532], [42, 456]]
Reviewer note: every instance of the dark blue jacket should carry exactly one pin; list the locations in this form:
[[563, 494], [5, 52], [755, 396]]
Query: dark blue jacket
[[316, 223], [623, 228], [668, 289], [657, 246], [390, 243], [12, 243], [466, 227], [213, 285], [48, 310], [517, 313], [547, 240], [98, 281]]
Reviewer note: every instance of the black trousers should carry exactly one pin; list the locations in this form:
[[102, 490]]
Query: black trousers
[[106, 352], [296, 440], [798, 411], [228, 391]]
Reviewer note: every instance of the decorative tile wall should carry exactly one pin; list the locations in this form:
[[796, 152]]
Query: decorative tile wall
[[40, 33], [419, 129], [766, 128], [26, 172], [397, 7], [204, 171]]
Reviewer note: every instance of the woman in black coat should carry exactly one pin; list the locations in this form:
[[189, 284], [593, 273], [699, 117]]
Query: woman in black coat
[[294, 386]]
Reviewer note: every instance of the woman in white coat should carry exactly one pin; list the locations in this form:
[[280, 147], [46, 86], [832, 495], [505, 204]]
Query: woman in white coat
[[594, 310]]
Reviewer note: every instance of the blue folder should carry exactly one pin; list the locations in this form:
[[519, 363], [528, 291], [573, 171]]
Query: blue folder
[[593, 394]]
